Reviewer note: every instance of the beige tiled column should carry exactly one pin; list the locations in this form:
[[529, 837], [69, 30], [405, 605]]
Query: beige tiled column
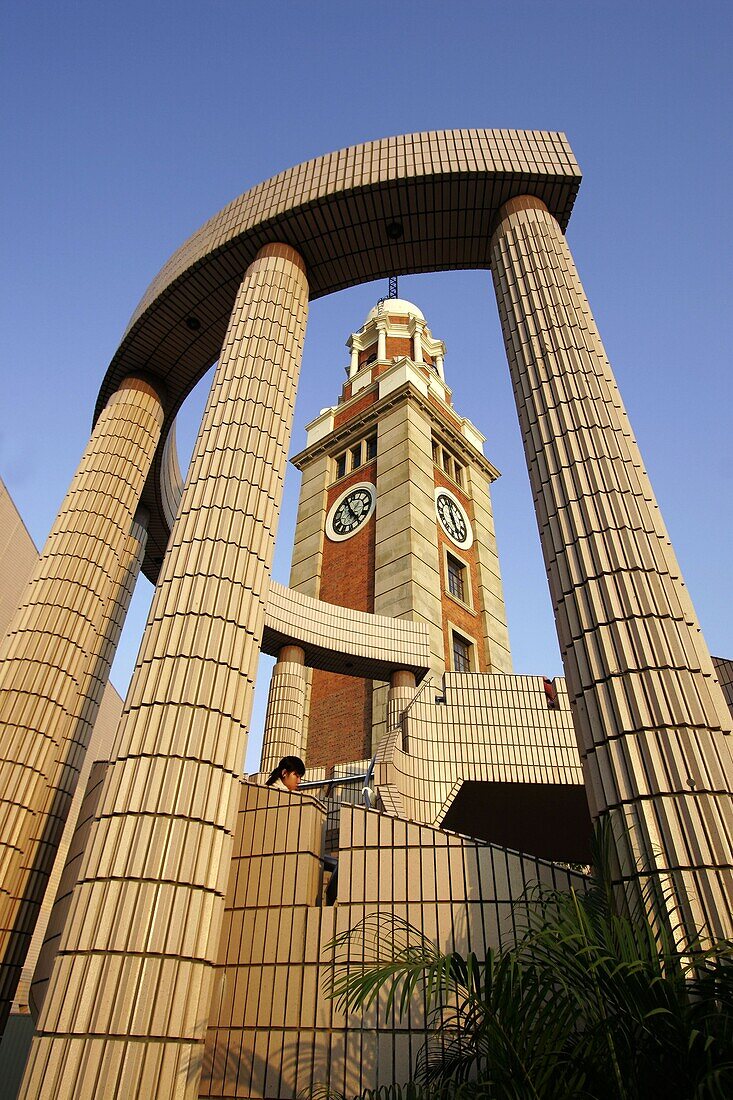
[[99, 736], [651, 720], [128, 1002], [306, 563], [55, 658], [400, 694], [285, 717]]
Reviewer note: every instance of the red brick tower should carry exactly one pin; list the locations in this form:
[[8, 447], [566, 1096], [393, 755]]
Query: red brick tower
[[395, 518]]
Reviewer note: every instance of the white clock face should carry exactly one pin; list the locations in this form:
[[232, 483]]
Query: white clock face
[[350, 511], [452, 518]]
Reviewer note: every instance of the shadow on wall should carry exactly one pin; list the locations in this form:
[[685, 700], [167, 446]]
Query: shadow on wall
[[548, 820]]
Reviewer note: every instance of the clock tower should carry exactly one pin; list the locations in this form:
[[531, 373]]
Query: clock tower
[[395, 518]]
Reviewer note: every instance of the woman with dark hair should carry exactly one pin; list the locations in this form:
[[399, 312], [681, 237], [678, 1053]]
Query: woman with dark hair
[[287, 775]]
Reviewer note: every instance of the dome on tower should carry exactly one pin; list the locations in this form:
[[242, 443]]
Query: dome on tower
[[395, 307]]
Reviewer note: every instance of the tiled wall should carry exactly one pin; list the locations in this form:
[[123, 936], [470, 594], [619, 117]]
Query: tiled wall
[[491, 728], [273, 1030]]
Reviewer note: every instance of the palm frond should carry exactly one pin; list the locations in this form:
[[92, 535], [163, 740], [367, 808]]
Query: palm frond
[[383, 953], [597, 996]]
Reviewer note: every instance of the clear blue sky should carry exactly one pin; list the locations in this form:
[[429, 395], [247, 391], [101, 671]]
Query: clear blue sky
[[126, 125]]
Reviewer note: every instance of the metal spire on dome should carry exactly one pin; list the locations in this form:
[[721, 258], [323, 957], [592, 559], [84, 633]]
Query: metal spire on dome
[[391, 293]]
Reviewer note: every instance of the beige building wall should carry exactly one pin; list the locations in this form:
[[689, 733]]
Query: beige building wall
[[490, 728], [307, 557], [273, 1031], [18, 557], [86, 802], [100, 747]]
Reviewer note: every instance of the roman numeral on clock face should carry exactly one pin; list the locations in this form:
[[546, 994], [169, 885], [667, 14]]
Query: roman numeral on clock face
[[350, 512], [453, 519]]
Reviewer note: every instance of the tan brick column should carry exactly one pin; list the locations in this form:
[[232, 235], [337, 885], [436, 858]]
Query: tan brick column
[[649, 716], [285, 716], [55, 659], [128, 1002]]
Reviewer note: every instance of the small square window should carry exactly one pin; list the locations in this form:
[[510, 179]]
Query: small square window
[[461, 653], [447, 463], [436, 453], [456, 578], [340, 466], [371, 446], [356, 456], [457, 474]]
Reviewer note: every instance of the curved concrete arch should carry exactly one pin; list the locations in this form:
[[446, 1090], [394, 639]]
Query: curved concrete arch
[[417, 202], [651, 721]]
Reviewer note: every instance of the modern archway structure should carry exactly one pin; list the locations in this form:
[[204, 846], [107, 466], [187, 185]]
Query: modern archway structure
[[651, 719], [421, 202]]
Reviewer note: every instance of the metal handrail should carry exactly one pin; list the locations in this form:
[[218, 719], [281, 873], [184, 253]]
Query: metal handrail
[[366, 778], [309, 783], [341, 779]]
